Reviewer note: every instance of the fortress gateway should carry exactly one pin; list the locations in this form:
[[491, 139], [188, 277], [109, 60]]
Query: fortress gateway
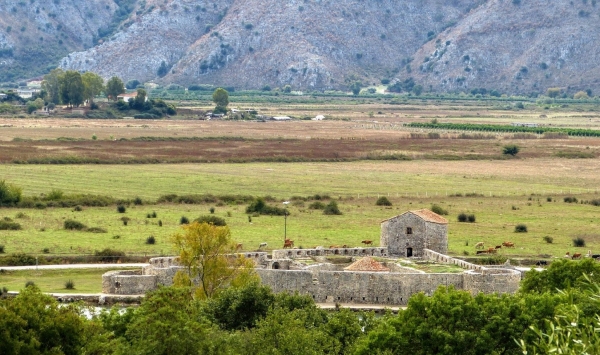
[[412, 237]]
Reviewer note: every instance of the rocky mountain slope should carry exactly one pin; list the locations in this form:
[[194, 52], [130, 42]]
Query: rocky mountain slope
[[513, 46], [36, 34]]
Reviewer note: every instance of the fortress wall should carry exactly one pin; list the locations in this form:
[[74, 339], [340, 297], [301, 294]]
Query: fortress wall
[[492, 280], [441, 258], [307, 253], [127, 283]]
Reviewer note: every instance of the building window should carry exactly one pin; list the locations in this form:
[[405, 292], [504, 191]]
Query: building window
[[408, 230]]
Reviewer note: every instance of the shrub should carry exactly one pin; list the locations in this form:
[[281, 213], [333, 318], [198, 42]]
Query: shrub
[[77, 208], [18, 260], [471, 218], [159, 223], [570, 199], [212, 210], [96, 230], [259, 206], [29, 284], [317, 205], [70, 285], [510, 149], [184, 220], [548, 239], [1, 249], [46, 251], [138, 201], [439, 210], [151, 240], [462, 217], [548, 199], [578, 242], [211, 219], [332, 209], [71, 224], [383, 201], [520, 228], [109, 255], [8, 225], [121, 209], [153, 215]]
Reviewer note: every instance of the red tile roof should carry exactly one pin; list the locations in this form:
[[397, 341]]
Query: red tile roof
[[367, 264]]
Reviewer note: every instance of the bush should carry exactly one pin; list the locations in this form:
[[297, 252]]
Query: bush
[[332, 209], [510, 149], [212, 210], [151, 240], [109, 255], [471, 218], [548, 239], [71, 224], [383, 201], [70, 285], [7, 225], [1, 249], [159, 223], [259, 206], [578, 242], [96, 230], [520, 228], [317, 205], [462, 217], [439, 210], [570, 199], [138, 201], [121, 209], [211, 219], [18, 260], [184, 220], [77, 208]]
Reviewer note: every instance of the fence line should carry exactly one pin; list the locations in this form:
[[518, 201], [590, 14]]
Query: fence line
[[475, 193]]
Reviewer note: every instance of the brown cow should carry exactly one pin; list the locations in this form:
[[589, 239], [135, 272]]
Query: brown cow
[[568, 255], [498, 246], [288, 244], [508, 244], [239, 246], [481, 252], [345, 246], [576, 256], [367, 242], [491, 250]]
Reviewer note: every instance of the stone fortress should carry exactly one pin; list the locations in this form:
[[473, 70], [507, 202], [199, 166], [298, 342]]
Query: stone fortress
[[412, 236]]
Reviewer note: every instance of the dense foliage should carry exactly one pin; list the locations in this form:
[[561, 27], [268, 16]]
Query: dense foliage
[[504, 128]]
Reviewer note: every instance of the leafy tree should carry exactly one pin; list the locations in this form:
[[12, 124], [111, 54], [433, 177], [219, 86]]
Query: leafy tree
[[93, 85], [332, 209], [287, 89], [206, 252], [510, 149], [38, 103], [114, 87], [163, 69], [383, 201], [132, 84], [221, 98], [417, 89], [560, 275], [51, 85], [9, 194], [581, 95], [553, 92], [139, 102], [72, 88], [355, 88]]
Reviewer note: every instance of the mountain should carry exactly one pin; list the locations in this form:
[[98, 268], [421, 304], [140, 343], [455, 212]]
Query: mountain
[[36, 34], [512, 46]]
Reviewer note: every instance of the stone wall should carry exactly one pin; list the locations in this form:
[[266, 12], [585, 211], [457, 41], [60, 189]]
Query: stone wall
[[492, 280], [307, 253], [441, 258], [127, 283], [357, 287]]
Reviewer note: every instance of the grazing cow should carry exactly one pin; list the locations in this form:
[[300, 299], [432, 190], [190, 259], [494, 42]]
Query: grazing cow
[[345, 246], [595, 256], [508, 244], [334, 246], [491, 250], [568, 255], [288, 244], [481, 252], [367, 242], [576, 256], [262, 245], [239, 246], [498, 246], [589, 254], [541, 263], [479, 245]]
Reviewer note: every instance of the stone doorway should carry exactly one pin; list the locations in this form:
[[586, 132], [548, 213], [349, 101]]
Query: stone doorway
[[409, 252]]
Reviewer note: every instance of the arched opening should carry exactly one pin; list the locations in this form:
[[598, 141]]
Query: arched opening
[[276, 266]]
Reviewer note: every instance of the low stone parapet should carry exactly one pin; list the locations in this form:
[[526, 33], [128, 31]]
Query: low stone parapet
[[127, 282], [441, 258], [308, 253]]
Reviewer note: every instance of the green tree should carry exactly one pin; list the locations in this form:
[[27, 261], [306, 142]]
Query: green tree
[[51, 85], [93, 85], [221, 99], [355, 88], [332, 209], [560, 275], [417, 89], [9, 194], [38, 103], [139, 102], [72, 88], [510, 149], [205, 251], [114, 87], [163, 69], [553, 92]]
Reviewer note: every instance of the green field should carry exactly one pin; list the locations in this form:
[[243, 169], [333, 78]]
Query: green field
[[85, 280]]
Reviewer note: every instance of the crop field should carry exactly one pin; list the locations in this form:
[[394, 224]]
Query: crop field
[[363, 153]]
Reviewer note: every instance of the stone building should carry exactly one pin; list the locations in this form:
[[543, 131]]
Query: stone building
[[410, 233]]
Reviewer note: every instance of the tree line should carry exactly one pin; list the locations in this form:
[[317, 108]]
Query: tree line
[[72, 88]]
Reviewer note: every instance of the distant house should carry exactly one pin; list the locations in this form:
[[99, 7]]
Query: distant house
[[2, 96], [126, 97], [27, 94], [408, 234]]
